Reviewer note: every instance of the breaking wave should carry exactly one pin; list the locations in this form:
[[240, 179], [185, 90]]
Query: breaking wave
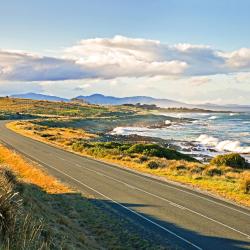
[[128, 130], [226, 145], [168, 122], [213, 117]]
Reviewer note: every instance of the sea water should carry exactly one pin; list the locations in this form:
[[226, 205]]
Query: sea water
[[203, 133]]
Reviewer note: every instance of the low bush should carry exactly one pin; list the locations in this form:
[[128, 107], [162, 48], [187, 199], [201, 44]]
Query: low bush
[[79, 146], [212, 171], [159, 151], [153, 165], [197, 169], [46, 135], [245, 183], [143, 158], [109, 145], [233, 160], [76, 146], [181, 167]]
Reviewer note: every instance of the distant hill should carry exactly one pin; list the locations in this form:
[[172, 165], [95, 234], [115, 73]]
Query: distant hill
[[35, 96], [111, 100]]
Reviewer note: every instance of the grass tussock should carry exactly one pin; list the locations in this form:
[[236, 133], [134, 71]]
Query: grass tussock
[[18, 229], [30, 174], [233, 160], [245, 182]]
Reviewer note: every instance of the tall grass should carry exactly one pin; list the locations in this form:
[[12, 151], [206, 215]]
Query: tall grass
[[18, 229]]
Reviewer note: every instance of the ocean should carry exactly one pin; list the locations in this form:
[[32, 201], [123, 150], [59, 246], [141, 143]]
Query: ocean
[[207, 134]]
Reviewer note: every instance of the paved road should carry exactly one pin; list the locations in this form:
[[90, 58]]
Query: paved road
[[191, 219]]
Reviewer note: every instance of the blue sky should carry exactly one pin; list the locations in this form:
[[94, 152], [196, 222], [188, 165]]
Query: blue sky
[[49, 28], [41, 25]]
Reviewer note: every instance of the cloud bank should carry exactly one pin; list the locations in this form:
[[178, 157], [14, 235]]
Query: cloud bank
[[110, 58]]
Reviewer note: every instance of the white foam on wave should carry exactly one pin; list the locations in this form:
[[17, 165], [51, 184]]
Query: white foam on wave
[[129, 130], [213, 117], [226, 145], [168, 122], [174, 115]]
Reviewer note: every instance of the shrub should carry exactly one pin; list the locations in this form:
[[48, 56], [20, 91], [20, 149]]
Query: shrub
[[143, 158], [197, 169], [212, 171], [181, 167], [109, 145], [8, 175], [233, 160], [153, 165], [159, 151], [80, 146], [245, 183], [46, 135]]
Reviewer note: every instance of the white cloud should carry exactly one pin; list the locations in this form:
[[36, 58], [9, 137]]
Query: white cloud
[[21, 66], [129, 57], [239, 59], [111, 58], [199, 80], [243, 77]]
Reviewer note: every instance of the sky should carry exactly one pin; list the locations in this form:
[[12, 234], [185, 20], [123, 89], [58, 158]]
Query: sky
[[193, 51]]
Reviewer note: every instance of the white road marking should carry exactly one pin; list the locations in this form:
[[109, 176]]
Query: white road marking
[[170, 186], [164, 199], [105, 196]]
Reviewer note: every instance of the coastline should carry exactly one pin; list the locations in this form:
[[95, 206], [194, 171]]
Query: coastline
[[217, 185]]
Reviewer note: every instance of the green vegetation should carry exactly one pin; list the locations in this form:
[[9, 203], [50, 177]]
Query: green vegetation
[[153, 164], [114, 148], [159, 151], [233, 160]]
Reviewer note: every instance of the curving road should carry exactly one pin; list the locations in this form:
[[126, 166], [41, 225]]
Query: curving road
[[190, 219]]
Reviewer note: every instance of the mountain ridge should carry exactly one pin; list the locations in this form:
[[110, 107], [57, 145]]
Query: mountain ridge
[[112, 100], [37, 96]]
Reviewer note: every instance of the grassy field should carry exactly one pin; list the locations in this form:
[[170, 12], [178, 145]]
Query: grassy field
[[39, 212]]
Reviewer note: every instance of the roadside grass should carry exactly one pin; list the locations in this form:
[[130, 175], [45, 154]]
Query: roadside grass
[[18, 228], [59, 217], [228, 182]]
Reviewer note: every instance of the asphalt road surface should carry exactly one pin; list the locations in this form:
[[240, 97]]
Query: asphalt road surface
[[191, 219]]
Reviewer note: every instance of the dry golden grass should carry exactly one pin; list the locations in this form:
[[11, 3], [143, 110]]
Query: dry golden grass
[[58, 136], [31, 173]]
